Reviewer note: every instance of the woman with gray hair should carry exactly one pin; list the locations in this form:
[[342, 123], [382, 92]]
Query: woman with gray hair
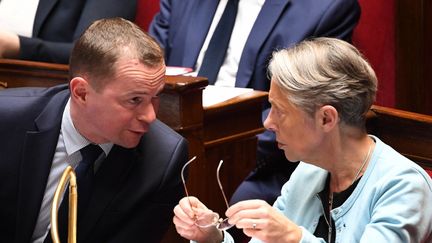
[[349, 186]]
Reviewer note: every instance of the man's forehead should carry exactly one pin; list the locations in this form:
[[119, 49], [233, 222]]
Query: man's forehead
[[151, 74], [155, 75]]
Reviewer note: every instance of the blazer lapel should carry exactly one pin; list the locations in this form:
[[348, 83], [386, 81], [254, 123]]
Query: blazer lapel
[[38, 152], [266, 20], [197, 30], [43, 9], [108, 182]]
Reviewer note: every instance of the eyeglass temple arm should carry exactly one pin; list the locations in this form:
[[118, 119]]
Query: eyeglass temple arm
[[217, 176], [183, 179], [220, 184]]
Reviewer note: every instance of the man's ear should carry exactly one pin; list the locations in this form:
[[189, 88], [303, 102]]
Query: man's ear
[[79, 88], [327, 117]]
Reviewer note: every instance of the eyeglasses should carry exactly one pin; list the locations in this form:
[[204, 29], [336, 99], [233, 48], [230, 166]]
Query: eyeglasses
[[207, 218]]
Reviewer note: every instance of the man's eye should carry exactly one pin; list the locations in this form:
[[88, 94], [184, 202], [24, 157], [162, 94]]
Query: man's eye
[[135, 100]]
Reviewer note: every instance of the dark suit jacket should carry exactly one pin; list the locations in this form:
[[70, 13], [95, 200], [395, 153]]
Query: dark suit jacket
[[135, 189], [182, 25], [58, 23]]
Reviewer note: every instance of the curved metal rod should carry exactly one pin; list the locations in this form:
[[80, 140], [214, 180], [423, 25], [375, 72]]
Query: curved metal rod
[[220, 184], [68, 173], [183, 178]]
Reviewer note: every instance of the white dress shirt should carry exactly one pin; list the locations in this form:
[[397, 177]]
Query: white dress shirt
[[18, 16]]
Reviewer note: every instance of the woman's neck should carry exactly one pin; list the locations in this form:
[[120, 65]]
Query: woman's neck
[[350, 160]]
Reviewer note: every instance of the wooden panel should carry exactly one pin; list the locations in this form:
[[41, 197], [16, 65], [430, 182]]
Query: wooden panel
[[17, 73], [241, 114], [414, 55], [407, 132]]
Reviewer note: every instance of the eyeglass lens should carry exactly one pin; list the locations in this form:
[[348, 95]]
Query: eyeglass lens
[[210, 218]]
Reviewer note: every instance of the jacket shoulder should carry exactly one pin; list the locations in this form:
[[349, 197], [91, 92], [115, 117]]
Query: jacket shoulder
[[161, 137], [20, 103]]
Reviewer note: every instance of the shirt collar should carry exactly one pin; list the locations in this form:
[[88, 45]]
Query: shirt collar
[[73, 140]]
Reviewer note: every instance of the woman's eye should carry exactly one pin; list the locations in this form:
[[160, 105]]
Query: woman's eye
[[277, 111]]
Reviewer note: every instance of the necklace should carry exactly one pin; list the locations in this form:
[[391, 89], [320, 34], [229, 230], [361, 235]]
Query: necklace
[[363, 164], [330, 202], [330, 224]]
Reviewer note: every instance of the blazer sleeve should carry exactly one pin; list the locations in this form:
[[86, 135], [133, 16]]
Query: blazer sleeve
[[339, 20], [40, 49], [160, 25]]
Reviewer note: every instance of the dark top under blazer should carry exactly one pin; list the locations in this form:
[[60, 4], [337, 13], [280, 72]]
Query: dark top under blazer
[[135, 189], [58, 23], [182, 25]]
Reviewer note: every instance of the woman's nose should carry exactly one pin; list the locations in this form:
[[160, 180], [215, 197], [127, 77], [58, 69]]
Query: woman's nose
[[268, 122]]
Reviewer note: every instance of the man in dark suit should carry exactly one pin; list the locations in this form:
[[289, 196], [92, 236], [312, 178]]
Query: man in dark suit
[[57, 24], [117, 72], [184, 28]]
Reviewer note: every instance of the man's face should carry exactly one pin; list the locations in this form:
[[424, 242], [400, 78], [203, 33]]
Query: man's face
[[123, 109]]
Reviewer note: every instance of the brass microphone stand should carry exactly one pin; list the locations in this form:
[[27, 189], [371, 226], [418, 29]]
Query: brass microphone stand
[[68, 173]]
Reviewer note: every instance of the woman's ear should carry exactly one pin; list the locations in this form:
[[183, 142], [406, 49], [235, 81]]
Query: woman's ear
[[79, 89], [328, 117]]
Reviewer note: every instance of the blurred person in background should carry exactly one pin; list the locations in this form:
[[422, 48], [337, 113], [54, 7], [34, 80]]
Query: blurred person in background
[[45, 30]]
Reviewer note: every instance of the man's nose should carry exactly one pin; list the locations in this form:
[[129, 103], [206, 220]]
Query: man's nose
[[147, 113]]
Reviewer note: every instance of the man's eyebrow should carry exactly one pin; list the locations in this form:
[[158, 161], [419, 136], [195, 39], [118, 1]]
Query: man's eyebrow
[[160, 91], [137, 93]]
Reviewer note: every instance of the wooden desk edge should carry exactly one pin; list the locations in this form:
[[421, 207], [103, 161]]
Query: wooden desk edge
[[32, 65], [184, 83], [254, 96], [392, 112]]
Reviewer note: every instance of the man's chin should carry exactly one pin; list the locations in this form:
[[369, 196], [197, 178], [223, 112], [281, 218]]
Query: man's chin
[[130, 143]]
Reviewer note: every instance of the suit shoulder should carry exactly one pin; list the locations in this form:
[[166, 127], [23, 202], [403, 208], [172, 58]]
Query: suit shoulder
[[31, 92], [162, 140], [28, 101], [164, 130], [161, 136]]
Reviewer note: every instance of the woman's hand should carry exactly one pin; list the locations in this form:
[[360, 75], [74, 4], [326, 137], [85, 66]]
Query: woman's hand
[[260, 220], [184, 221]]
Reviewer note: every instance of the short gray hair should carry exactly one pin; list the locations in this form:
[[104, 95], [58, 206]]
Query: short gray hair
[[326, 71]]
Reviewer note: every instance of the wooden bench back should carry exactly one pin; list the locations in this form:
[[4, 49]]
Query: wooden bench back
[[408, 132]]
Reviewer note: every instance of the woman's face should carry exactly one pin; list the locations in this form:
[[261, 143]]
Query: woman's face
[[296, 132]]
